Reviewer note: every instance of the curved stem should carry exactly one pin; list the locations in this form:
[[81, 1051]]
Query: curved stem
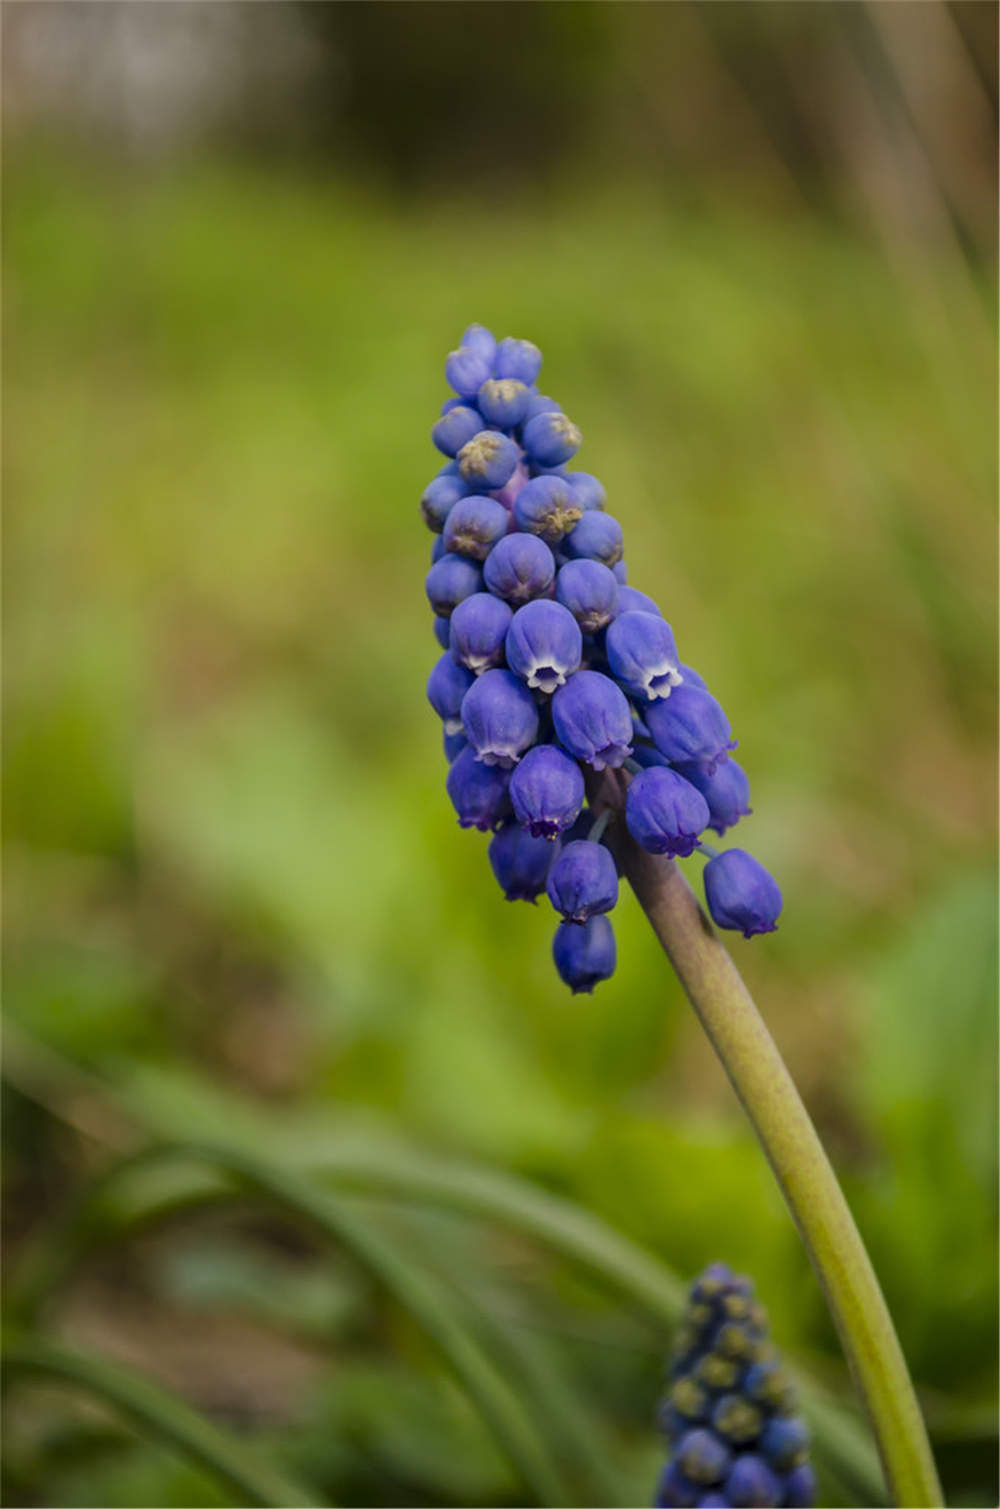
[[769, 1097]]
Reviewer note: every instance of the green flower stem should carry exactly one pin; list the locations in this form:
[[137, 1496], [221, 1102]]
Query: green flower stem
[[774, 1106]]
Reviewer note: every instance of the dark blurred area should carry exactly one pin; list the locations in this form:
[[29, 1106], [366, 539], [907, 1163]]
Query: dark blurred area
[[757, 246]]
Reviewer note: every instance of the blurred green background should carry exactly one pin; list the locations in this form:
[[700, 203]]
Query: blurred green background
[[756, 245]]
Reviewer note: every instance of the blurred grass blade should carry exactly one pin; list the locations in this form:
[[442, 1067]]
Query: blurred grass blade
[[499, 1404], [161, 1414]]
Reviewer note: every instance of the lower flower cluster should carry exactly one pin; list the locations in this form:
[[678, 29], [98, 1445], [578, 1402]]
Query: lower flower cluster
[[730, 1415], [552, 662]]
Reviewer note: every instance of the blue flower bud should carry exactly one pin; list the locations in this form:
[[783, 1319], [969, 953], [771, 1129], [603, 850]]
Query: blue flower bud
[[547, 791], [768, 1384], [540, 403], [477, 338], [785, 1442], [438, 549], [520, 567], [453, 745], [583, 881], [439, 496], [621, 573], [488, 460], [442, 632], [800, 1488], [702, 1457], [736, 1419], [588, 589], [597, 537], [690, 727], [452, 403], [474, 526], [584, 955], [712, 1500], [675, 1491], [547, 507], [520, 861], [544, 644], [741, 894], [449, 581], [641, 652], [503, 401], [592, 720], [478, 792], [478, 628], [447, 684], [466, 370], [664, 813], [456, 427], [551, 439], [727, 792], [499, 717], [518, 359], [752, 1483], [587, 491], [632, 601]]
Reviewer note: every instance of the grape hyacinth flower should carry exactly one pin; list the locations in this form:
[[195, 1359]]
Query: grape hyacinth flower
[[477, 630], [641, 652], [664, 812], [556, 668], [578, 726], [547, 791], [730, 1415], [583, 881], [544, 645], [520, 862], [741, 894], [584, 955], [499, 717]]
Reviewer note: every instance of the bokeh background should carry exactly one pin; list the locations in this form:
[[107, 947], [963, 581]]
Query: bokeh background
[[756, 244]]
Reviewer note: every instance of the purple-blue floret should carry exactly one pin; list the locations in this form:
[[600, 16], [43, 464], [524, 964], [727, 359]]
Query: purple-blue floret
[[520, 862], [551, 439], [583, 881], [477, 630], [544, 644], [499, 717], [519, 568], [592, 720], [474, 525], [547, 506], [547, 791], [726, 790], [455, 427], [741, 895], [449, 581], [584, 955], [690, 727], [588, 589], [479, 793], [642, 654], [664, 813], [488, 460]]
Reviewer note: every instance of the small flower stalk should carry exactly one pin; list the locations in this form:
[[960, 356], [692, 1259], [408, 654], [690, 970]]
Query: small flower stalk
[[730, 1415], [554, 666]]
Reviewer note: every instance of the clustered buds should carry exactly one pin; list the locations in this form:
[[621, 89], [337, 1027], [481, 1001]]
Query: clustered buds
[[553, 663], [730, 1415]]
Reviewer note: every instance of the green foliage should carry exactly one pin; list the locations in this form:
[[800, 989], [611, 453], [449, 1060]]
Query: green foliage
[[238, 910]]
